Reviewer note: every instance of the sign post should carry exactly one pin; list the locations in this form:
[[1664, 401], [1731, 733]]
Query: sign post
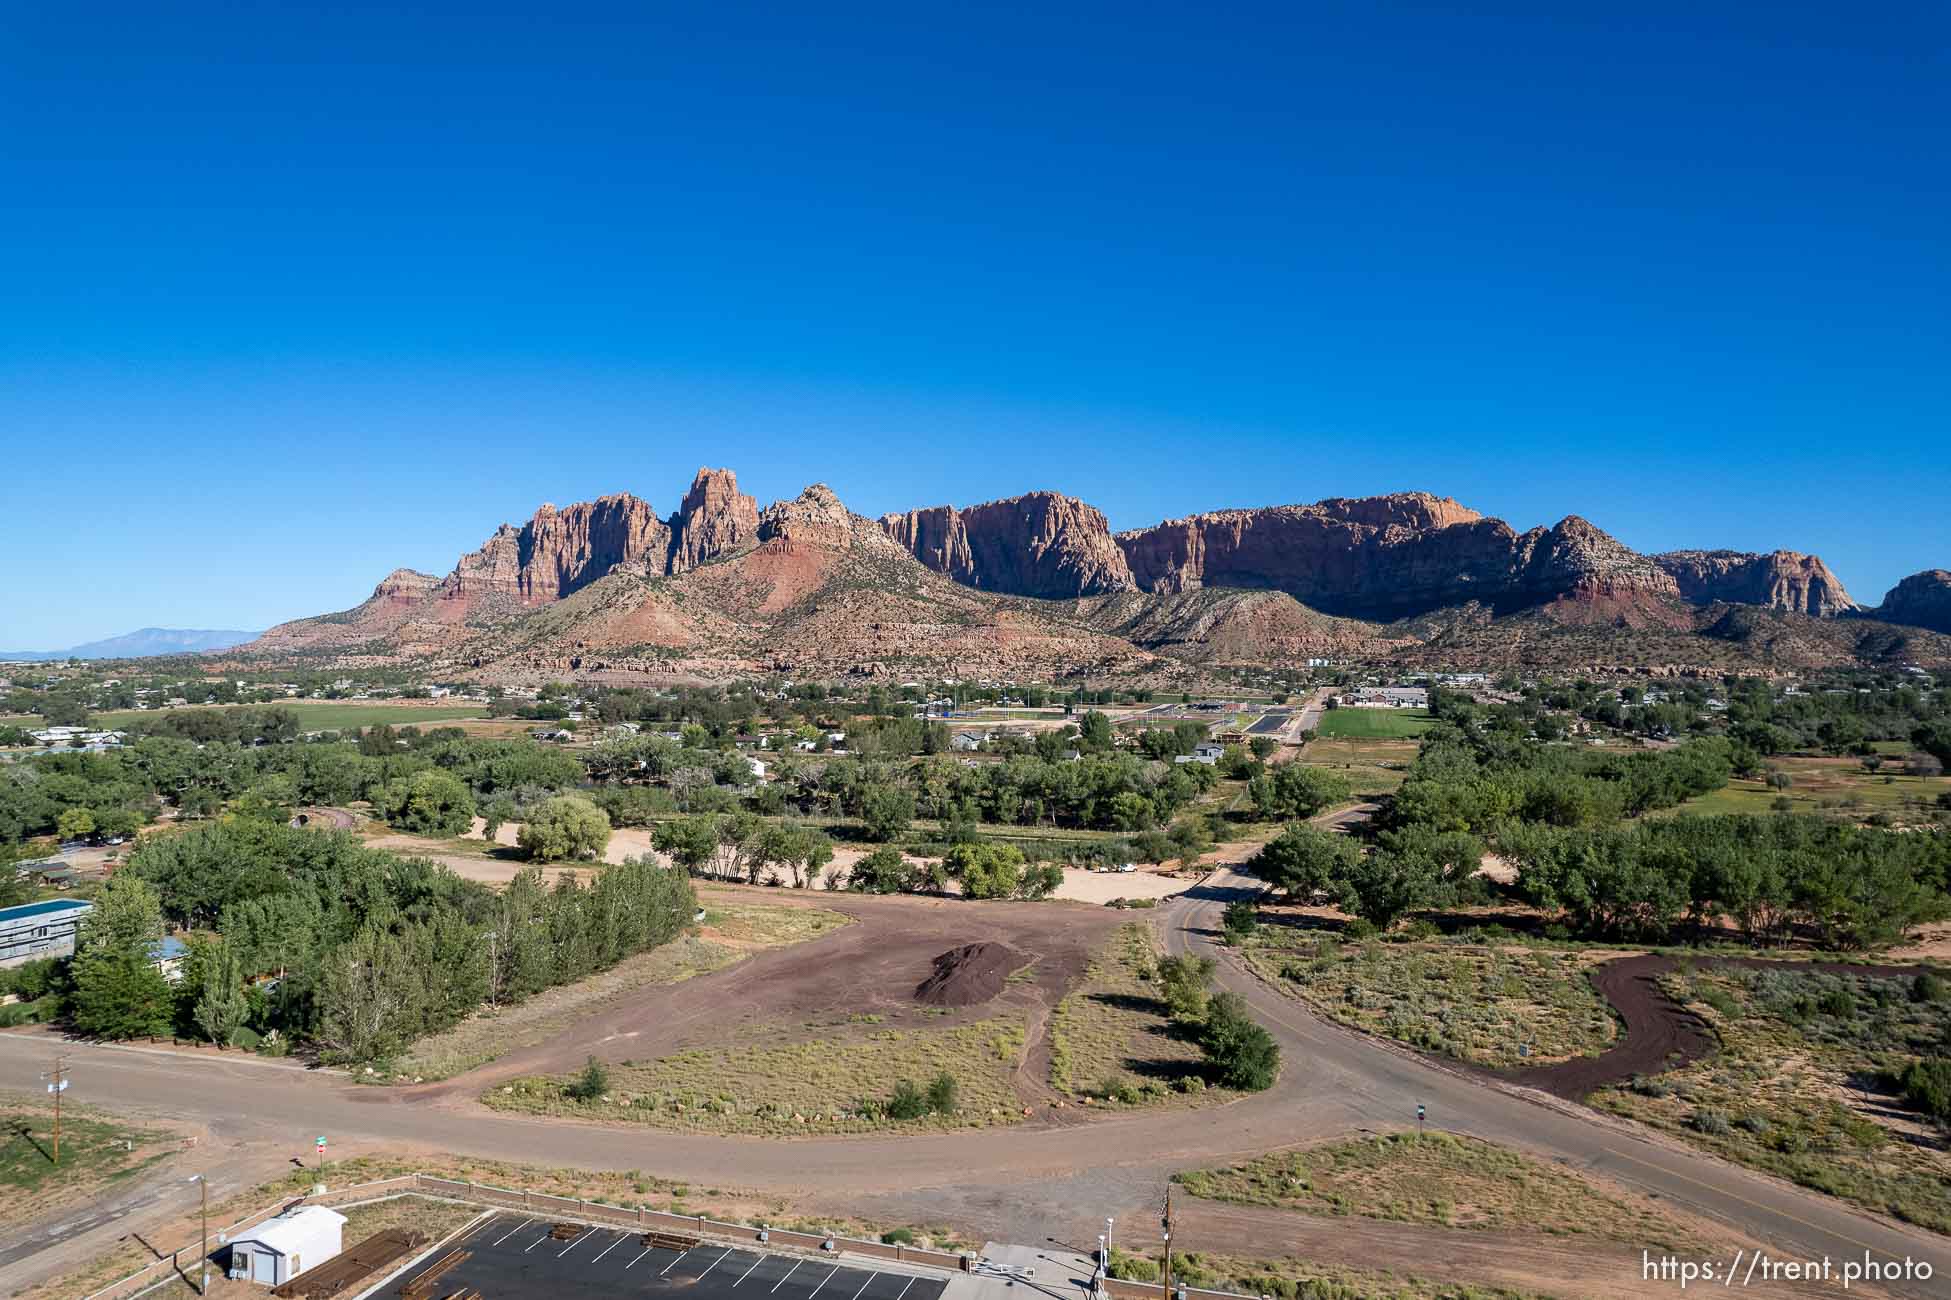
[[1421, 1111]]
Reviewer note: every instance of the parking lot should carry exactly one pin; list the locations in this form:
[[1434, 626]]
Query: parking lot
[[513, 1257]]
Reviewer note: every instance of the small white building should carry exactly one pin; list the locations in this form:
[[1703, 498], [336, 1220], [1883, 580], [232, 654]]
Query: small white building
[[280, 1249]]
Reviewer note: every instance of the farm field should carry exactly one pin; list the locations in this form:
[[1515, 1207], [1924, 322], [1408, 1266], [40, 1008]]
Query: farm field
[[1374, 724], [1835, 787], [1373, 766]]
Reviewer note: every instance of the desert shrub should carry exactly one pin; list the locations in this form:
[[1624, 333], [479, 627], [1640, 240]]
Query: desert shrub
[[907, 1102], [943, 1092], [1929, 986], [592, 1083], [898, 1237], [1711, 1122], [1926, 1086]]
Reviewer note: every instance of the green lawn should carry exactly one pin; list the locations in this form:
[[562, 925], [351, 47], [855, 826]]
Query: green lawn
[[1374, 724], [329, 715]]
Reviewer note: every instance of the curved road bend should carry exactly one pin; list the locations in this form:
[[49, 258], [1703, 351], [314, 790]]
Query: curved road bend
[[1371, 1085], [1026, 1180]]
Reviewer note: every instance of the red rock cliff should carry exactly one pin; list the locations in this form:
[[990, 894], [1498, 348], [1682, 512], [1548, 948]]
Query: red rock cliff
[[1039, 544], [559, 551], [716, 519], [1782, 580], [1921, 600]]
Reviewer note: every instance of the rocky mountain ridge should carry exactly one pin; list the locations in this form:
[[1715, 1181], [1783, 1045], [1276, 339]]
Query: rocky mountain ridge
[[1041, 579]]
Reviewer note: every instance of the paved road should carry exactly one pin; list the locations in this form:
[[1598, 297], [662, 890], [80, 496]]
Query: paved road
[[1028, 1181]]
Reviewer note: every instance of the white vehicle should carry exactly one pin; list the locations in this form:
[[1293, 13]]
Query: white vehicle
[[1127, 866]]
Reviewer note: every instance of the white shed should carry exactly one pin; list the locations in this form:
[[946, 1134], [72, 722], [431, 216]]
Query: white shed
[[280, 1249]]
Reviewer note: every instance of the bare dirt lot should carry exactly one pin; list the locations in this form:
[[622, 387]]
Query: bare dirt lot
[[864, 974]]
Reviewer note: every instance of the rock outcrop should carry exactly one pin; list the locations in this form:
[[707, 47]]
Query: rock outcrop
[[1921, 600], [559, 551], [715, 520], [1780, 580], [1389, 557], [1039, 544], [815, 517]]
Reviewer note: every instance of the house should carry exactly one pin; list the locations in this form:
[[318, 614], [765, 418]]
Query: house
[[36, 930], [969, 740], [281, 1248], [167, 955], [757, 765], [1207, 752]]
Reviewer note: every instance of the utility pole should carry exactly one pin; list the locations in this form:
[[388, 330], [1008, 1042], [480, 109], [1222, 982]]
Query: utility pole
[[57, 1083], [203, 1185], [1168, 1242]]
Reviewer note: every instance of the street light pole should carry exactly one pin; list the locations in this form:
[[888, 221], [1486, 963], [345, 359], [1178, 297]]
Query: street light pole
[[1107, 1240]]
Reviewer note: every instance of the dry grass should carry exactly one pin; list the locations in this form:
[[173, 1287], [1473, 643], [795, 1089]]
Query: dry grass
[[1495, 1006], [1833, 787], [731, 932], [1292, 1278], [1112, 1039], [1795, 1089], [821, 1086], [98, 1154], [1440, 1179]]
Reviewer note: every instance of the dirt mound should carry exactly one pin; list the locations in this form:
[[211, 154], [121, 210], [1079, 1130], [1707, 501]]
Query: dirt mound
[[969, 975]]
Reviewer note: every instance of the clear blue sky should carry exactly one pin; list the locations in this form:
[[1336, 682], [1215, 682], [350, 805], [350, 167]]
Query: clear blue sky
[[296, 294]]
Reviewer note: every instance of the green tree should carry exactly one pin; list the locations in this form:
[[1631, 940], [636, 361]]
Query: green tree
[[1240, 1052], [1293, 791], [118, 995], [885, 811], [430, 802], [369, 997], [884, 871], [566, 828], [126, 920], [75, 824], [1304, 862], [1185, 985], [221, 1008]]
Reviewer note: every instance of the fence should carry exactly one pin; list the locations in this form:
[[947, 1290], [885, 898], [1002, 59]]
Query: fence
[[595, 1212]]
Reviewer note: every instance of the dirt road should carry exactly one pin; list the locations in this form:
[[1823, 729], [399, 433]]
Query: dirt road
[[1029, 1182]]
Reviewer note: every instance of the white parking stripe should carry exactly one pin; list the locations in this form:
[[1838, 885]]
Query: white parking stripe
[[748, 1272], [864, 1285], [789, 1272], [904, 1290], [714, 1264], [823, 1281], [612, 1246], [538, 1241], [673, 1264], [591, 1232], [512, 1231], [633, 1263]]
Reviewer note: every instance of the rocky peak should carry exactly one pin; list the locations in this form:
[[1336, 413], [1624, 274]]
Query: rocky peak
[[715, 519], [1418, 511], [405, 584], [1921, 600], [1038, 544], [816, 517], [1781, 580]]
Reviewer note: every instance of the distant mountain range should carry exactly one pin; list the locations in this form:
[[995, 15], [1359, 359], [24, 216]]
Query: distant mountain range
[[1040, 583], [144, 643]]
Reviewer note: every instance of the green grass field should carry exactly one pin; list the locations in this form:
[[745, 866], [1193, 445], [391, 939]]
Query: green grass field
[[1374, 724], [329, 715]]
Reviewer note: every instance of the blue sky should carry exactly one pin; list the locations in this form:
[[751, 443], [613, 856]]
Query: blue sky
[[292, 298]]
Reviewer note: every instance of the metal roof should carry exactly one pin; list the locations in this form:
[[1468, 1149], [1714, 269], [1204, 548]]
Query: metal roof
[[48, 908]]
